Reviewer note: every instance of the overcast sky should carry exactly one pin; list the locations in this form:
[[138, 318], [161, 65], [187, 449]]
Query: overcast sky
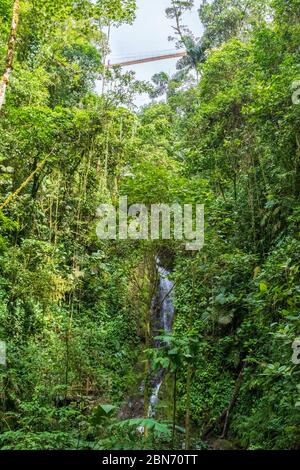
[[150, 32]]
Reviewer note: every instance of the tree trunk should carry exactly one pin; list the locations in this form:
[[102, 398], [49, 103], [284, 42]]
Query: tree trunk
[[10, 52], [147, 365], [174, 408], [189, 372], [188, 409], [225, 415]]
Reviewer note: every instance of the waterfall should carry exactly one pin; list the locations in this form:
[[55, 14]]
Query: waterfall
[[165, 297], [2, 353], [166, 313]]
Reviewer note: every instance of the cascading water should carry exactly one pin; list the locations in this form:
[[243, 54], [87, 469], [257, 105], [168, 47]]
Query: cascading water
[[166, 301], [166, 313]]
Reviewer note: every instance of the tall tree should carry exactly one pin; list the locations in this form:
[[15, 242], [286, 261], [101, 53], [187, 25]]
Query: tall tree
[[176, 12], [184, 37], [10, 51]]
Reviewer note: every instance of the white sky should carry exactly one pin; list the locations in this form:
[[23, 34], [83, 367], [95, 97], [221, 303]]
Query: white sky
[[150, 32]]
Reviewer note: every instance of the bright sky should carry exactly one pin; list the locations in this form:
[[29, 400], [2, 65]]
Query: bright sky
[[150, 32]]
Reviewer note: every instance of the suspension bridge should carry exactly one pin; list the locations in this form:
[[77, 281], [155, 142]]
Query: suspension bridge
[[144, 58]]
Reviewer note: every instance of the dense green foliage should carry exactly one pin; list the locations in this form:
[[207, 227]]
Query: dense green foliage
[[76, 311]]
